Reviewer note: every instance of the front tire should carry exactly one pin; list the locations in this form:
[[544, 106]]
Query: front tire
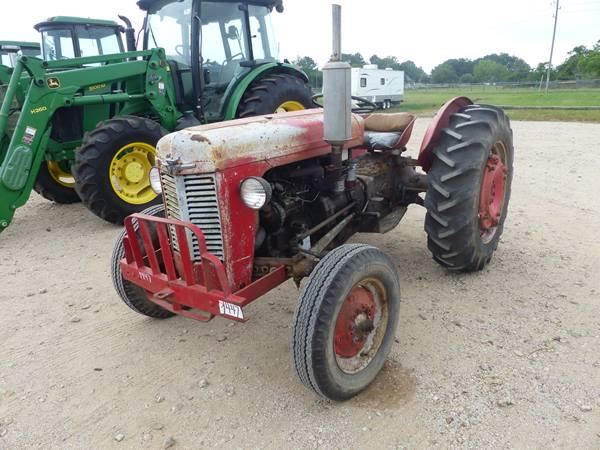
[[112, 167], [56, 184], [275, 93], [134, 296], [346, 321], [469, 188]]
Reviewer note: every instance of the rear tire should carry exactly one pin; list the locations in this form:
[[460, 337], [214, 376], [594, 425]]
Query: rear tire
[[346, 321], [95, 163], [48, 187], [134, 296], [458, 236], [275, 93]]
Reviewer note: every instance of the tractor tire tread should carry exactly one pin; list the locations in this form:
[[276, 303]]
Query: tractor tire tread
[[90, 157], [454, 187]]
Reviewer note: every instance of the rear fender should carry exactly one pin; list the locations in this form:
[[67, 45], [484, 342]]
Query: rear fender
[[433, 133]]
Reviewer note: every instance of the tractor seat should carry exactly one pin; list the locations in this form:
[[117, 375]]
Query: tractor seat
[[386, 131]]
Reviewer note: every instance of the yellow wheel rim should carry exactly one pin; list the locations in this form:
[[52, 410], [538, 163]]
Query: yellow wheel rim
[[130, 171], [290, 106], [61, 176]]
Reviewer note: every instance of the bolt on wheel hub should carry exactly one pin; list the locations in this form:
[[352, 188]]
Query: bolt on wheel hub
[[354, 323]]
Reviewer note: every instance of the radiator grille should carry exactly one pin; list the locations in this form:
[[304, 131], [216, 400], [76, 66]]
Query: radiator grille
[[193, 198]]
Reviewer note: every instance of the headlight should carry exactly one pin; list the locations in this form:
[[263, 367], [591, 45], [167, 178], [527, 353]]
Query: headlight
[[155, 180], [256, 192]]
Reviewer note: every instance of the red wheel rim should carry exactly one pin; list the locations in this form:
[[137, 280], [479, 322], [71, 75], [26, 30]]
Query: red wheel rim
[[354, 323], [491, 197], [360, 326]]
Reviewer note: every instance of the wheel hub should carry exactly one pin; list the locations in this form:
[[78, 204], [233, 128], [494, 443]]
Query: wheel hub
[[129, 173], [491, 199], [355, 322], [134, 172], [60, 175], [289, 106]]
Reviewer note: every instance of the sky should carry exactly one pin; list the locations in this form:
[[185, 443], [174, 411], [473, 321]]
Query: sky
[[425, 31]]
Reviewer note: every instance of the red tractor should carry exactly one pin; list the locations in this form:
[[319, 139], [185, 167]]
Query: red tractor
[[252, 203]]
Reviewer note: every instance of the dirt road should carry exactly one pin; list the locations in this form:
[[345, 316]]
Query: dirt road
[[505, 358]]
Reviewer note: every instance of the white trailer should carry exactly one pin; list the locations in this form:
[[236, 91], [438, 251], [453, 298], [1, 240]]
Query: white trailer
[[383, 87]]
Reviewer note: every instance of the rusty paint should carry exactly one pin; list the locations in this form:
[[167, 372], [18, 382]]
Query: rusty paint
[[200, 138], [276, 139], [433, 133]]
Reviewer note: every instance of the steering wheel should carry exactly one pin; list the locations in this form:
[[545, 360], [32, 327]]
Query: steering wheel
[[232, 58], [364, 106], [179, 50]]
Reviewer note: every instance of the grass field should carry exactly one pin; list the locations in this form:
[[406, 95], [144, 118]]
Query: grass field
[[427, 101]]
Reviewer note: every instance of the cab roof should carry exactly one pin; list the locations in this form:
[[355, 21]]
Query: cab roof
[[148, 5], [20, 44], [65, 20]]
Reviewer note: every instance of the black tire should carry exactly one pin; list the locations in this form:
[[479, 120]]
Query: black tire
[[267, 94], [52, 190], [316, 361], [455, 237], [93, 161], [134, 296]]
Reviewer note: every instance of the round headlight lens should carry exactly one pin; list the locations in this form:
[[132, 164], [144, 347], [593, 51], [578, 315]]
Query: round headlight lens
[[155, 180], [256, 192]]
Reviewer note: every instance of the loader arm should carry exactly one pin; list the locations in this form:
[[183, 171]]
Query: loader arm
[[60, 84]]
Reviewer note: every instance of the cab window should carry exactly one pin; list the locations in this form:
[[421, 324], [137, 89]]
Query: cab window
[[96, 41], [264, 42], [57, 45]]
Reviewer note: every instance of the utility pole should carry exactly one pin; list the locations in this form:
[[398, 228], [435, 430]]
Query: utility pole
[[552, 48]]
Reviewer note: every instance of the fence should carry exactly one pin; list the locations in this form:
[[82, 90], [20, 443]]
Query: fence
[[569, 84]]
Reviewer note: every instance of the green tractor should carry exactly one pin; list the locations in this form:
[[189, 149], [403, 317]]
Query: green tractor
[[89, 124], [10, 50], [62, 38]]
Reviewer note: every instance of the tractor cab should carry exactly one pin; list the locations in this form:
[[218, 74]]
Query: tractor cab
[[10, 50], [212, 54], [74, 37]]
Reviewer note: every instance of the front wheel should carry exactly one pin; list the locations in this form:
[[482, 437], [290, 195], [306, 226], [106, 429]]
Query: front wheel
[[56, 183], [346, 321], [134, 296], [469, 188], [113, 164]]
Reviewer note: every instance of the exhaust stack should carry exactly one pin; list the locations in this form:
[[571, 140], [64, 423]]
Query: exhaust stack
[[337, 100]]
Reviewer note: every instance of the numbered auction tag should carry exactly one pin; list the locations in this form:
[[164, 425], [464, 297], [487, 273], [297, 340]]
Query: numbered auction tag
[[228, 309]]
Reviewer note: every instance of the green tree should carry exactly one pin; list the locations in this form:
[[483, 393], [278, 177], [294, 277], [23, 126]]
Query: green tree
[[488, 71], [390, 62], [355, 60], [461, 66], [413, 72], [467, 78], [517, 68], [306, 63], [444, 73]]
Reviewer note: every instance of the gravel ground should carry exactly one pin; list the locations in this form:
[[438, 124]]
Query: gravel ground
[[506, 358]]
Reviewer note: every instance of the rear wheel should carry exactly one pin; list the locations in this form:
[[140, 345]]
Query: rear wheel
[[346, 321], [275, 93], [55, 182], [469, 188], [113, 164], [134, 296]]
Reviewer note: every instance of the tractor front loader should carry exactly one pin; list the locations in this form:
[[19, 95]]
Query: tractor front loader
[[148, 90], [89, 125]]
